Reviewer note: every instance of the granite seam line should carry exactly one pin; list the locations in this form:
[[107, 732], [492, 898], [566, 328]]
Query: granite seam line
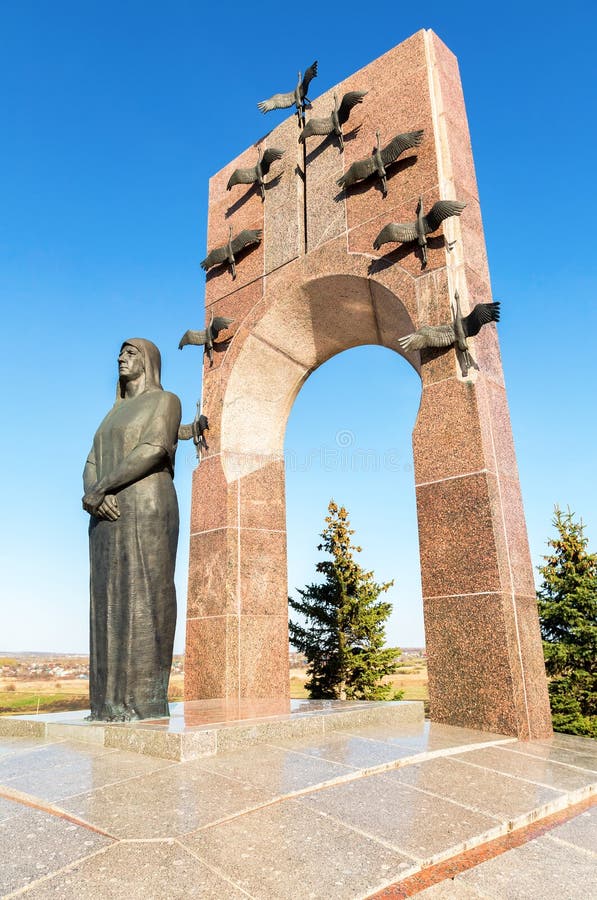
[[169, 764], [62, 870], [402, 762], [587, 789], [234, 290], [212, 868], [462, 862], [445, 799], [51, 809], [412, 200], [276, 349], [484, 471], [436, 105], [552, 762], [485, 402], [373, 303], [571, 845], [238, 601], [19, 751], [238, 528], [105, 751], [471, 594], [394, 848], [308, 756]]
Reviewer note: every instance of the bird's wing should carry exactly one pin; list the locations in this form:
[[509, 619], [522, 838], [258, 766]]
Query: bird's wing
[[308, 78], [317, 126], [348, 101], [197, 338], [441, 210], [242, 176], [399, 144], [246, 237], [215, 257], [278, 101], [481, 315], [219, 324], [185, 432], [429, 336], [399, 232], [270, 156], [203, 424], [360, 169]]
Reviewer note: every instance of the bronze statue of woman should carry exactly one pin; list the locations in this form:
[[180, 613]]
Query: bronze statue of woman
[[133, 535]]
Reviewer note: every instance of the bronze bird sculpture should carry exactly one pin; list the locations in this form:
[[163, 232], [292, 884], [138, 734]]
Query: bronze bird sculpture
[[407, 232], [296, 98], [337, 118], [231, 248], [256, 173], [456, 332], [196, 430], [206, 338], [377, 162]]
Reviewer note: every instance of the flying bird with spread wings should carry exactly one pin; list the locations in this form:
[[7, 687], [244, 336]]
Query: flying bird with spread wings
[[296, 98], [231, 249], [337, 118], [258, 172], [196, 430], [408, 232], [207, 338], [455, 332], [381, 158]]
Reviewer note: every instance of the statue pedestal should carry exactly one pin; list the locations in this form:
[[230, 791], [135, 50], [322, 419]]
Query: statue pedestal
[[202, 728]]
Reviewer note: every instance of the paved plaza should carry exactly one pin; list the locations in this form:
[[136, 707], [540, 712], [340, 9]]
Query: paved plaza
[[342, 814]]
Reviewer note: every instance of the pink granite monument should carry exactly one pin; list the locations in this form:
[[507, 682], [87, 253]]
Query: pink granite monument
[[311, 289]]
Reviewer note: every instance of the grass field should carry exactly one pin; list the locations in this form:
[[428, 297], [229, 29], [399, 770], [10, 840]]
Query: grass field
[[49, 695], [411, 678]]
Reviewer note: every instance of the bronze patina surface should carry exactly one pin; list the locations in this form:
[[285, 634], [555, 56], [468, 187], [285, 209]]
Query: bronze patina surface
[[133, 535]]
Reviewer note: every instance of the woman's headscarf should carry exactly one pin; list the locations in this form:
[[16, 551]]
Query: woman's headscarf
[[152, 363]]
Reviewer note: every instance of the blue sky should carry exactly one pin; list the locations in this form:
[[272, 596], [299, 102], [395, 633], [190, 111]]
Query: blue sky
[[114, 116]]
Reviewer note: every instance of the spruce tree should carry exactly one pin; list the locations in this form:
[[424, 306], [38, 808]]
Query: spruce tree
[[568, 614], [344, 633]]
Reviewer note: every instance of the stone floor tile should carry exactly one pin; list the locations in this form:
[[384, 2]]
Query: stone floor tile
[[277, 770], [556, 753], [288, 851], [84, 772], [174, 801], [450, 888], [488, 792], [131, 871], [581, 830], [348, 749], [47, 756], [541, 771], [35, 844], [8, 809], [11, 745], [543, 869], [575, 742], [424, 737], [415, 823]]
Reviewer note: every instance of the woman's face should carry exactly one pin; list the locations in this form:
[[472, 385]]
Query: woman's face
[[130, 363]]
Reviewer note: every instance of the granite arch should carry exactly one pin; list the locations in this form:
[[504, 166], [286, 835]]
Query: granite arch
[[311, 289]]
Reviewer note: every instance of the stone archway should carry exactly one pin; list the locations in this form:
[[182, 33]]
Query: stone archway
[[312, 289]]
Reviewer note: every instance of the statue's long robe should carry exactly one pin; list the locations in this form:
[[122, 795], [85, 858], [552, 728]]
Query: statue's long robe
[[133, 599]]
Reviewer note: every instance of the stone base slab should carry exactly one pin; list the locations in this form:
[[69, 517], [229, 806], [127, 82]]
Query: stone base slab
[[202, 728]]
